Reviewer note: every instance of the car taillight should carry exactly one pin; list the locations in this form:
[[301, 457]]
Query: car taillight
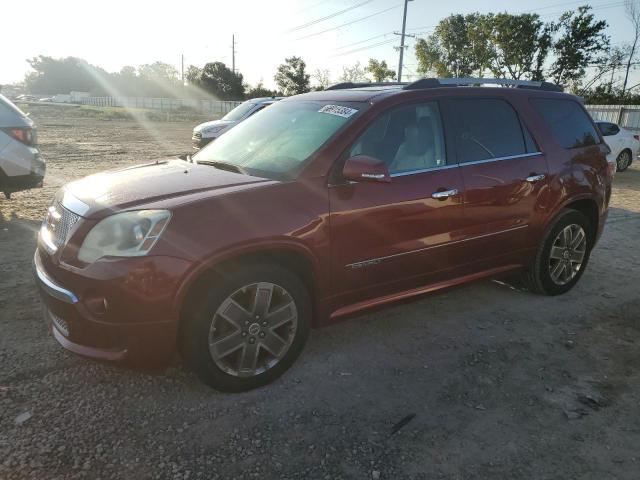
[[24, 135]]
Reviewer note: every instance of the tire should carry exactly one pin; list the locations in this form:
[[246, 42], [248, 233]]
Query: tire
[[623, 161], [549, 273], [217, 326]]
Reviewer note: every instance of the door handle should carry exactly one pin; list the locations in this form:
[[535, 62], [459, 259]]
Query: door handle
[[535, 178], [445, 194]]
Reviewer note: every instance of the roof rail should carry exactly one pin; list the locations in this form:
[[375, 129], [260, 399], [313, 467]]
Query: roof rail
[[347, 85], [455, 82]]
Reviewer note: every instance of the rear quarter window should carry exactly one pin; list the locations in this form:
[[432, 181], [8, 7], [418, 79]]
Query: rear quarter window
[[570, 124], [488, 128]]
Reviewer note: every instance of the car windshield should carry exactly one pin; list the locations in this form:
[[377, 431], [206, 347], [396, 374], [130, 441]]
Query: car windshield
[[239, 112], [276, 142]]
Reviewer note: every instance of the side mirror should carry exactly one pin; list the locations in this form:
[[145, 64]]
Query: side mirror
[[363, 168]]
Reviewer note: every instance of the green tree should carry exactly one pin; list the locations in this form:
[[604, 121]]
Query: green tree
[[323, 77], [292, 77], [159, 71], [446, 51], [581, 39], [217, 79], [379, 70], [479, 35], [354, 74], [192, 75], [260, 91], [521, 44], [63, 75]]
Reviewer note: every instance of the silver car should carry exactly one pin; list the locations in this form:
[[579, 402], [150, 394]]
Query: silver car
[[208, 131], [21, 166]]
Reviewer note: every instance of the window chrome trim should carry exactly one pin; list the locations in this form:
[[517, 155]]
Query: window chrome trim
[[424, 170], [499, 159], [375, 261]]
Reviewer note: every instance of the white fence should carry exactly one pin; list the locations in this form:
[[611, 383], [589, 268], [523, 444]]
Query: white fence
[[627, 116], [164, 104]]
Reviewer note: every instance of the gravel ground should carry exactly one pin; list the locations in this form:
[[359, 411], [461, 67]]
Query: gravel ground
[[481, 381]]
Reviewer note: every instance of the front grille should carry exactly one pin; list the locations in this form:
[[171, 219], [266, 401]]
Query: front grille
[[60, 324], [64, 225], [59, 222]]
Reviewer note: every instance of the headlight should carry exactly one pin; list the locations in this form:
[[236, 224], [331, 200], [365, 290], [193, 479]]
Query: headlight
[[127, 234]]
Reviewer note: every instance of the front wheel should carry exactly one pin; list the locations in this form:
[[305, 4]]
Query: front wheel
[[249, 328], [623, 161], [563, 256]]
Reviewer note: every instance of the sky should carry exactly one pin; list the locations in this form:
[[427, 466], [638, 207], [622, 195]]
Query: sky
[[118, 33]]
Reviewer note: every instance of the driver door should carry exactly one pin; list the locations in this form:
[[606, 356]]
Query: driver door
[[391, 236]]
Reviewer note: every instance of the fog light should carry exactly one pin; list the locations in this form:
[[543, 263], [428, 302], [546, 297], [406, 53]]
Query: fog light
[[96, 304]]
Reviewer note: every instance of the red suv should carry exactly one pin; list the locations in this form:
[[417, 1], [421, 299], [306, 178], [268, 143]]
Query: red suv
[[321, 206]]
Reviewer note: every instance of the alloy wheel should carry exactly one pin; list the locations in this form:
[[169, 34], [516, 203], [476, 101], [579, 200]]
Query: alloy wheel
[[623, 160], [253, 329], [567, 254]]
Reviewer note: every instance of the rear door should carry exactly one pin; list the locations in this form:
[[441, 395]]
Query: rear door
[[504, 175]]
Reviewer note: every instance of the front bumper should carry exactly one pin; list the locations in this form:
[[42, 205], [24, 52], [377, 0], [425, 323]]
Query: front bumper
[[115, 311], [21, 182]]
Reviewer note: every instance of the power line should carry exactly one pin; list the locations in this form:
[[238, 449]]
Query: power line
[[600, 7], [310, 7], [349, 23], [327, 17], [367, 47], [558, 5], [363, 41]]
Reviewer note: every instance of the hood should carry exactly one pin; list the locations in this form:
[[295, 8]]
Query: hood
[[214, 123], [162, 184]]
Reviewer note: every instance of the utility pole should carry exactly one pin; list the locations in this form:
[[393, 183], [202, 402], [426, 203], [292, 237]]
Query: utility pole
[[233, 53], [182, 67], [402, 35]]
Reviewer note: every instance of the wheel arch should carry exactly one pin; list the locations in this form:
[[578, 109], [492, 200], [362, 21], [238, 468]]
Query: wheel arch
[[589, 207], [289, 255]]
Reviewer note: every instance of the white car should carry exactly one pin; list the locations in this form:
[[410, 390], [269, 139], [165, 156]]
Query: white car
[[624, 145], [208, 131], [21, 166]]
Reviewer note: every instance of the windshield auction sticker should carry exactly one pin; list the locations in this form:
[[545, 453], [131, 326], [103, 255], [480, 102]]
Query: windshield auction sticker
[[345, 112]]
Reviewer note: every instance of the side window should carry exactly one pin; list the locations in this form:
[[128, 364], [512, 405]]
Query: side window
[[488, 128], [255, 111], [568, 121], [406, 138]]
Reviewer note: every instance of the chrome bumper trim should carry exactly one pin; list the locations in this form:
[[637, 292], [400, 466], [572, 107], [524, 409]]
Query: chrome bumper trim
[[49, 286]]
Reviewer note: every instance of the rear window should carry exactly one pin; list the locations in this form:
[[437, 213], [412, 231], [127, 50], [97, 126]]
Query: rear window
[[570, 124], [488, 128]]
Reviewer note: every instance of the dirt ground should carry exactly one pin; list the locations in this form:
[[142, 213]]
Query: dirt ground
[[481, 381]]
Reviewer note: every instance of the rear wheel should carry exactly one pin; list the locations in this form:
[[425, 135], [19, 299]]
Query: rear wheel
[[623, 161], [563, 255], [249, 329]]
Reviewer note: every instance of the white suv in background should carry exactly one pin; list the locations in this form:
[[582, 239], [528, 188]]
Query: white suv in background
[[21, 166], [208, 131], [624, 144]]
